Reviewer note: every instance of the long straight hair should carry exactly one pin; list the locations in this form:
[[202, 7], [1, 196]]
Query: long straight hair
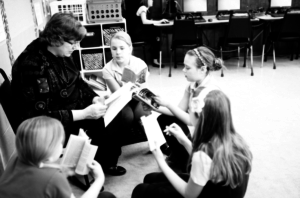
[[216, 136]]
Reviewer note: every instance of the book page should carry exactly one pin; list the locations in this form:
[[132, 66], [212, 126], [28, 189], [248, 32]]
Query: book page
[[87, 155], [153, 132], [115, 106], [142, 76], [73, 151]]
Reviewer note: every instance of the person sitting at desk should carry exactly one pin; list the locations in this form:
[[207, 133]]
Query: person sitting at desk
[[152, 34], [46, 81]]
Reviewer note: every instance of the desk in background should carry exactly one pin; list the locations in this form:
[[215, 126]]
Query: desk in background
[[165, 27]]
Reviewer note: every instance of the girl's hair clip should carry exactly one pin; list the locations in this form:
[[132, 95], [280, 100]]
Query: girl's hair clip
[[199, 56]]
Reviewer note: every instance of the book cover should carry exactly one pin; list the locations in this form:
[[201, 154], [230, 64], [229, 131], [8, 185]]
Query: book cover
[[131, 76], [146, 96]]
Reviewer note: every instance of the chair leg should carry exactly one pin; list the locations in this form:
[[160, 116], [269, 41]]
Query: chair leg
[[170, 68], [222, 72], [251, 59], [262, 56], [245, 56], [239, 53], [292, 53], [298, 51], [175, 58], [274, 58]]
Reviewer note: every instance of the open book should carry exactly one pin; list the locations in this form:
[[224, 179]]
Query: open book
[[122, 96], [144, 95], [153, 132], [78, 153]]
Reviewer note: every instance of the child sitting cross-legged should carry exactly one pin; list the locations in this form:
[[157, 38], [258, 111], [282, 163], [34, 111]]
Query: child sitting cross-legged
[[220, 159], [33, 172]]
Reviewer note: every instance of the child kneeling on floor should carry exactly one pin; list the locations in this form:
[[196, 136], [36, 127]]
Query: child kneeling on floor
[[33, 172]]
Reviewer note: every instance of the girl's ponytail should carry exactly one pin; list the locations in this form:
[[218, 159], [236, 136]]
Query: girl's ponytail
[[218, 64]]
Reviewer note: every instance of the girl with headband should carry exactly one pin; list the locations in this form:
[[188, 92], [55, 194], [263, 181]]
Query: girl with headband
[[198, 63], [220, 160]]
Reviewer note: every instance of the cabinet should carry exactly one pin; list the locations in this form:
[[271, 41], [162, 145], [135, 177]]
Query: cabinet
[[93, 51]]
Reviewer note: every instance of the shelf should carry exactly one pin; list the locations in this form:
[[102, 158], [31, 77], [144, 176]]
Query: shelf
[[93, 52], [90, 48], [92, 71]]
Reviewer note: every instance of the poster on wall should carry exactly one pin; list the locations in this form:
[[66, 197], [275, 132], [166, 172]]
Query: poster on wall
[[2, 32]]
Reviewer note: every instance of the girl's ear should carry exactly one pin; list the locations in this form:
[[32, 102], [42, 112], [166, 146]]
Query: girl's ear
[[203, 69], [131, 49]]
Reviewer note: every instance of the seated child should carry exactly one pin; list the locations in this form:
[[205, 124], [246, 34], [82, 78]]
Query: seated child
[[220, 159], [33, 171]]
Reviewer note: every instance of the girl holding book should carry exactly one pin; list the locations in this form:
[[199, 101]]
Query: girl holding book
[[121, 50], [220, 160], [198, 64], [34, 171]]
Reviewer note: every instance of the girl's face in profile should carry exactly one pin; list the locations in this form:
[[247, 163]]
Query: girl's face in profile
[[120, 51], [191, 72]]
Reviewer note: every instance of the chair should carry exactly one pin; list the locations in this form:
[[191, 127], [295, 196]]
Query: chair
[[184, 36], [7, 101], [7, 141], [239, 33], [289, 31]]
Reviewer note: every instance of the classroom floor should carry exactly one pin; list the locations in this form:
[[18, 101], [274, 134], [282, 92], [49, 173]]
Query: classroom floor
[[266, 112]]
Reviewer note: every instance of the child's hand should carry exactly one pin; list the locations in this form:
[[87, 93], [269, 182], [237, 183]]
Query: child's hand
[[176, 131], [96, 169], [161, 101], [157, 153], [67, 171]]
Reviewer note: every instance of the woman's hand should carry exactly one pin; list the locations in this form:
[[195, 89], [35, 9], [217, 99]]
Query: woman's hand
[[177, 132], [96, 169], [95, 111], [98, 99], [161, 101]]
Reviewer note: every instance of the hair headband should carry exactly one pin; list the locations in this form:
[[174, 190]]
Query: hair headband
[[199, 56], [197, 102]]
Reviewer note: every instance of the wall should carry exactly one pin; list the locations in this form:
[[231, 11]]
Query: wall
[[21, 28]]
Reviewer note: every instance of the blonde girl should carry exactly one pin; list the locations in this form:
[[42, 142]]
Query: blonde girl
[[220, 159], [121, 50], [34, 171]]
